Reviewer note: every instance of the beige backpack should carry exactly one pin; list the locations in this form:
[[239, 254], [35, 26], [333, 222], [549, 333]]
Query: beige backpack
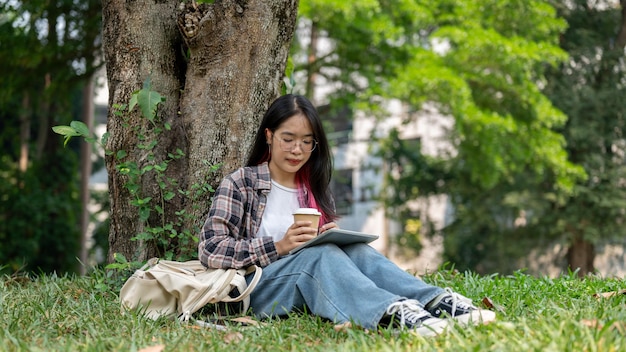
[[179, 289]]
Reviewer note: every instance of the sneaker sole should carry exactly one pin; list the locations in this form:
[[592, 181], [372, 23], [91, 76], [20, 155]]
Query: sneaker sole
[[476, 317], [433, 329]]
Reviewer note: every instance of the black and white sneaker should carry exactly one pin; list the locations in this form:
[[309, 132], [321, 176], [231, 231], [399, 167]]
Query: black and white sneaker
[[412, 316], [459, 307]]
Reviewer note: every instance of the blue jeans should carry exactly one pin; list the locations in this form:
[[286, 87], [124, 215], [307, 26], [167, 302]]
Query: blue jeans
[[353, 283]]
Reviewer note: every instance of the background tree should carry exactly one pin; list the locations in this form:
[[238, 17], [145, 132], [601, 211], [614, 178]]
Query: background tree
[[504, 135], [524, 211], [481, 63], [464, 56], [48, 51], [590, 88], [218, 66]]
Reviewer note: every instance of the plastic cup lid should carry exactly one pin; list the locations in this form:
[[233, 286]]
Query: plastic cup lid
[[307, 211]]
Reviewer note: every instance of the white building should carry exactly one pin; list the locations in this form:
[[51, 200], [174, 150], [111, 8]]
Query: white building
[[359, 176]]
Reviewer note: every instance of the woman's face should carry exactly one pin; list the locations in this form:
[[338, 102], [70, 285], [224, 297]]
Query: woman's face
[[289, 144]]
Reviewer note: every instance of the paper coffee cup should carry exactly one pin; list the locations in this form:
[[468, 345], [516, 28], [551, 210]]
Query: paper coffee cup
[[308, 214]]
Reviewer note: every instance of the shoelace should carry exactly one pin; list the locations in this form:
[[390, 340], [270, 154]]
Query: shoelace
[[458, 300], [409, 311]]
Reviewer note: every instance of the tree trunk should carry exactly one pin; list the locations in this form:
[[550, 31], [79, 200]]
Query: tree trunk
[[580, 255], [311, 61], [140, 41], [236, 51], [620, 41], [24, 132], [581, 252], [85, 174]]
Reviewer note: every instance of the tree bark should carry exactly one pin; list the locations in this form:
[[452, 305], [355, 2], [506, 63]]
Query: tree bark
[[620, 41], [24, 132], [238, 52], [235, 53], [580, 256], [581, 253], [140, 40], [85, 174]]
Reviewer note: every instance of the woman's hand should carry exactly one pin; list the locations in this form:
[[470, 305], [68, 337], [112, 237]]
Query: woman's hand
[[328, 226], [298, 233]]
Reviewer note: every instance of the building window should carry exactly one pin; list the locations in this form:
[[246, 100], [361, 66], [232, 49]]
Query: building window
[[337, 123], [341, 186]]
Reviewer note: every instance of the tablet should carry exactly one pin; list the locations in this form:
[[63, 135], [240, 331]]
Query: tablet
[[337, 236]]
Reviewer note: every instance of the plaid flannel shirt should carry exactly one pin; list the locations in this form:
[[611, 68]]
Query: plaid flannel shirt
[[228, 238]]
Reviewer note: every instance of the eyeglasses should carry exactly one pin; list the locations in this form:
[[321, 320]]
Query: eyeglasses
[[307, 145]]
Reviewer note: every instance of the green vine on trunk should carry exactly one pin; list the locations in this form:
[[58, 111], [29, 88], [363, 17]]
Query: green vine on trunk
[[169, 235]]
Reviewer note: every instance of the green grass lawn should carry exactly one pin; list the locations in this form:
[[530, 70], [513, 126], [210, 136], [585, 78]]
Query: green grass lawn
[[536, 314]]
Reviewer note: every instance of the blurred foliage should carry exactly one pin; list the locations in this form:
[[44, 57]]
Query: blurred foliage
[[495, 228], [39, 215], [48, 51], [589, 87], [483, 64]]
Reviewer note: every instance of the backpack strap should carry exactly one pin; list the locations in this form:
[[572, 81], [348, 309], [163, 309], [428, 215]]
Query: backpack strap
[[243, 287], [224, 281]]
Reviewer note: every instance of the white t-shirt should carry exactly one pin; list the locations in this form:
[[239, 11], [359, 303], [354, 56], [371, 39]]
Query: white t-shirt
[[278, 213]]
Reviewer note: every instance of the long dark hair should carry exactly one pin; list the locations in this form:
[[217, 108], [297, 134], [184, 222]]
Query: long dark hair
[[313, 179]]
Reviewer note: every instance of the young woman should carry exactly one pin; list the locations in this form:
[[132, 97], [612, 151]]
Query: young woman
[[251, 222]]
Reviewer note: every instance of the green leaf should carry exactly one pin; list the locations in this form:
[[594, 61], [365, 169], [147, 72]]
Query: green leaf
[[140, 202], [105, 138], [161, 167], [144, 213], [65, 131], [133, 100], [81, 128], [116, 266], [143, 236], [147, 99], [119, 258], [133, 188]]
